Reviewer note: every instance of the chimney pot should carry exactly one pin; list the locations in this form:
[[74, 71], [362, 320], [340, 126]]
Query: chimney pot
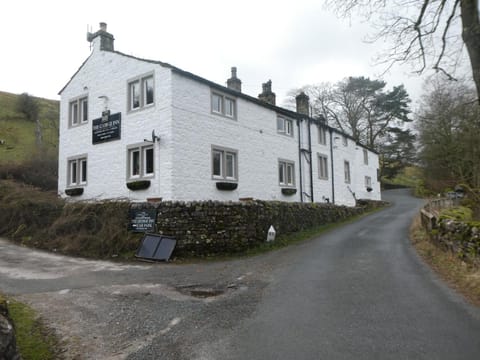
[[267, 95], [103, 26], [234, 83], [303, 105]]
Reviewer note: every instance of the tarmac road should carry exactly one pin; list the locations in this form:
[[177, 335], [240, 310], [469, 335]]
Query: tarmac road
[[357, 292]]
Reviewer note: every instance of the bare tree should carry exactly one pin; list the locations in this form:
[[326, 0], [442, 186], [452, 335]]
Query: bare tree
[[429, 33]]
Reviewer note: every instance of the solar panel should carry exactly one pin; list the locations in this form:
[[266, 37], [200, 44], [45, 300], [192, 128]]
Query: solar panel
[[156, 247]]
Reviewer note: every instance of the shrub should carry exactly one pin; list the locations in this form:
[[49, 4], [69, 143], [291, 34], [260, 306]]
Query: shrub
[[40, 171]]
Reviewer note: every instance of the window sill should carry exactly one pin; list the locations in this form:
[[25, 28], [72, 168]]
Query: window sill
[[74, 191], [138, 185], [289, 191], [229, 186]]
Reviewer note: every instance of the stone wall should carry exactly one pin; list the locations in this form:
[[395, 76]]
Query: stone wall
[[212, 227], [461, 238]]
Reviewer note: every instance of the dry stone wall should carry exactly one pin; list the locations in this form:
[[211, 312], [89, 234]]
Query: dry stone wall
[[212, 227]]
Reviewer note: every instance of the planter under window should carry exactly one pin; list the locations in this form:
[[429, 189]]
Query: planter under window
[[289, 191], [138, 185], [74, 191], [228, 186], [369, 189]]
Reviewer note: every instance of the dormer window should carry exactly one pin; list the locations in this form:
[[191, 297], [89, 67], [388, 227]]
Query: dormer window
[[141, 93]]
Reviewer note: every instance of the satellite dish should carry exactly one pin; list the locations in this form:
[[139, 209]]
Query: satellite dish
[[154, 137]]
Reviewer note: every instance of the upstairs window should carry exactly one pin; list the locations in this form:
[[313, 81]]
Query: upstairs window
[[365, 156], [285, 126], [78, 111], [77, 171], [223, 105], [345, 140], [346, 166], [141, 92], [286, 173], [224, 163], [140, 161], [322, 136]]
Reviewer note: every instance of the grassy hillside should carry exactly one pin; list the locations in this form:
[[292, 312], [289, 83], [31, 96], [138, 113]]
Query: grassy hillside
[[17, 134]]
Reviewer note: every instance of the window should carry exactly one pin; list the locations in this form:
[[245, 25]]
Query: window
[[286, 173], [368, 182], [223, 105], [78, 111], [346, 166], [140, 161], [322, 135], [284, 126], [141, 93], [344, 140], [322, 167], [224, 163], [365, 156], [77, 171]]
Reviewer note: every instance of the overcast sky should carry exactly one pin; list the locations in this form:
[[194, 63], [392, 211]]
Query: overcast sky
[[293, 43]]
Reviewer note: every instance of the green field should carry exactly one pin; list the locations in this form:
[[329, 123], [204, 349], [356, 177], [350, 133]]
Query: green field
[[17, 134]]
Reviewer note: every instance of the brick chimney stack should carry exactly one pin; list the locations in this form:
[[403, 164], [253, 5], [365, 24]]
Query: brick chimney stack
[[101, 40], [234, 83], [303, 105], [267, 95]]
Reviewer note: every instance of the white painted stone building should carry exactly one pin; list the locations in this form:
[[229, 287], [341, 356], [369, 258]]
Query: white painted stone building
[[138, 129]]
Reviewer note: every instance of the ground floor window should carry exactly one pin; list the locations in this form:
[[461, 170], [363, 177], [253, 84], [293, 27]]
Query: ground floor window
[[346, 166], [322, 167], [286, 173], [77, 171], [224, 163], [368, 182], [140, 161]]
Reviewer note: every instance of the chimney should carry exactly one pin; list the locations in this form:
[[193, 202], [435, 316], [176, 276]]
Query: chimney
[[267, 95], [101, 40], [303, 106], [234, 83]]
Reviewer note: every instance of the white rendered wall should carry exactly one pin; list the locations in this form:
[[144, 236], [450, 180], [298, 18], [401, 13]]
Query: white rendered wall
[[253, 134], [106, 74]]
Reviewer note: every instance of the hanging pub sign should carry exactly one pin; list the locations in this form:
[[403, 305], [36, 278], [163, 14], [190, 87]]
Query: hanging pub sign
[[142, 220], [106, 128]]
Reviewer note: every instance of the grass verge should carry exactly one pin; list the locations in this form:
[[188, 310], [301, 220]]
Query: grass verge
[[462, 277], [34, 340]]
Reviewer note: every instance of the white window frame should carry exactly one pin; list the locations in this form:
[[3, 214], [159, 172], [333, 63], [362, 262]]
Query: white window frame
[[365, 156], [141, 149], [75, 165], [139, 84], [286, 168], [284, 126], [224, 153], [322, 135], [368, 182], [76, 114], [322, 166], [346, 170], [222, 101]]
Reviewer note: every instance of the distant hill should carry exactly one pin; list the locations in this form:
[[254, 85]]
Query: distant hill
[[17, 134]]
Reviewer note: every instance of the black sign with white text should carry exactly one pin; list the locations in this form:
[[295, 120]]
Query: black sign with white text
[[142, 220], [106, 128]]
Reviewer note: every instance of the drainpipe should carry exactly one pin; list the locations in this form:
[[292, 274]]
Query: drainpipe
[[331, 165], [311, 159], [300, 161]]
